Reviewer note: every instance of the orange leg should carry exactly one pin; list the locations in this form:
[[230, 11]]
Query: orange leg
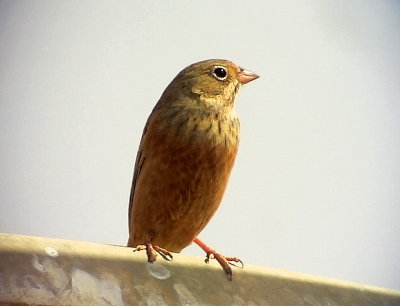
[[152, 250], [223, 261]]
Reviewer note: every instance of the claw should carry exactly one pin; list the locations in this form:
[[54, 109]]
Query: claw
[[164, 253], [233, 260], [222, 260], [152, 250]]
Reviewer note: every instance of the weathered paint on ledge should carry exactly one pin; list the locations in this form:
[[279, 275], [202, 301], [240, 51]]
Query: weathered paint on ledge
[[36, 270]]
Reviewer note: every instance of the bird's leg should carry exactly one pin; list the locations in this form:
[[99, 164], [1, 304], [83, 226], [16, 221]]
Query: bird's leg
[[152, 250], [223, 261]]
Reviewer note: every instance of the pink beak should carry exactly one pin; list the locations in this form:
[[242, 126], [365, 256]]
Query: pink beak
[[246, 76]]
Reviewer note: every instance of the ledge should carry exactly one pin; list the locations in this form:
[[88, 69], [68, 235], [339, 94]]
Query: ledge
[[36, 270]]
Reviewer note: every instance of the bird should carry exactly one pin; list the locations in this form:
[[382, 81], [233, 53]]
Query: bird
[[185, 157]]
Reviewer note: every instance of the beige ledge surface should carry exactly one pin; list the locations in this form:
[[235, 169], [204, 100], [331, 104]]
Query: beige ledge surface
[[44, 271]]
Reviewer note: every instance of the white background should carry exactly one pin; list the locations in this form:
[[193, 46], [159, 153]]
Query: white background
[[316, 185]]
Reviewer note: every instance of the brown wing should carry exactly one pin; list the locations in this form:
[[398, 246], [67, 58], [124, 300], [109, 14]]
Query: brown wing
[[140, 159]]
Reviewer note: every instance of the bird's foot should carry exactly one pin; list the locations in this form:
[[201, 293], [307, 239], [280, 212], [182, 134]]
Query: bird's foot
[[152, 250], [222, 260]]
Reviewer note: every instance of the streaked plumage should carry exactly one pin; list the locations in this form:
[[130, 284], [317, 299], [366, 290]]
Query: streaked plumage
[[186, 154]]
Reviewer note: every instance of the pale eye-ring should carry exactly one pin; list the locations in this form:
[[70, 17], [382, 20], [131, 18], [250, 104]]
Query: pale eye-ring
[[220, 73]]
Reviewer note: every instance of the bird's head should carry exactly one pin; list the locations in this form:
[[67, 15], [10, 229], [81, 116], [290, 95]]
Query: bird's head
[[211, 83]]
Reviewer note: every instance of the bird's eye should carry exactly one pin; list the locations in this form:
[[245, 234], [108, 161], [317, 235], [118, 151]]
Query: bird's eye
[[220, 73]]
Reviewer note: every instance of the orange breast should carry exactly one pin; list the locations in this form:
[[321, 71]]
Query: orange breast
[[181, 182]]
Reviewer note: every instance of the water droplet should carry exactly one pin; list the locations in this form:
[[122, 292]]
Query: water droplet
[[157, 270], [51, 251]]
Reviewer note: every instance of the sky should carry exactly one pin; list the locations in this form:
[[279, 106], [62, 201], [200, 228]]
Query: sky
[[316, 183]]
